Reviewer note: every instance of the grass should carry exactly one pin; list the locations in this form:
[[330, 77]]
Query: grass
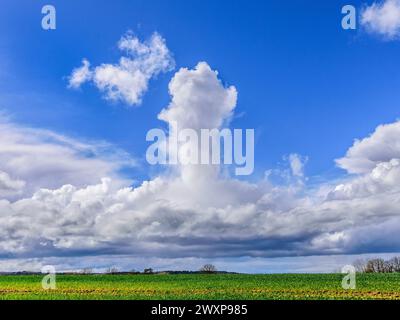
[[201, 286]]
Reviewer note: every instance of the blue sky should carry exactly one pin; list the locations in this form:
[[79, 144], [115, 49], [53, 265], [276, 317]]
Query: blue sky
[[304, 84]]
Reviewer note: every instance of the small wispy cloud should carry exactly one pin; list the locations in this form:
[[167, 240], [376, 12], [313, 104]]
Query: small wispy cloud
[[127, 80], [297, 164], [80, 75]]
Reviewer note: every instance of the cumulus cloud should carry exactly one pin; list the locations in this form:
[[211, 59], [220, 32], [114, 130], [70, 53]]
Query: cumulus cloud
[[382, 145], [198, 211], [382, 18], [199, 99], [383, 178], [376, 160], [127, 80]]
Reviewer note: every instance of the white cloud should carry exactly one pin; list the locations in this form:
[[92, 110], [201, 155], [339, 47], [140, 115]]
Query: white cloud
[[35, 158], [297, 164], [383, 178], [8, 186], [127, 80], [382, 145], [80, 75], [199, 100], [382, 18]]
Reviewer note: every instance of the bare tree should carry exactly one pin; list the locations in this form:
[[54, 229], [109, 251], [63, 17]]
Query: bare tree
[[378, 265], [395, 264], [375, 266], [360, 265], [388, 267], [112, 270], [208, 268], [87, 271]]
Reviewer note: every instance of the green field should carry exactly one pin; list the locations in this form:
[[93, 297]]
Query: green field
[[201, 286]]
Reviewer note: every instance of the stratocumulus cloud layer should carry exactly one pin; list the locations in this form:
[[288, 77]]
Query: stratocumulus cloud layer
[[195, 211]]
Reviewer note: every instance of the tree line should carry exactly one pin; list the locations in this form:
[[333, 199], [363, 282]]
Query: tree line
[[377, 265], [207, 268]]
